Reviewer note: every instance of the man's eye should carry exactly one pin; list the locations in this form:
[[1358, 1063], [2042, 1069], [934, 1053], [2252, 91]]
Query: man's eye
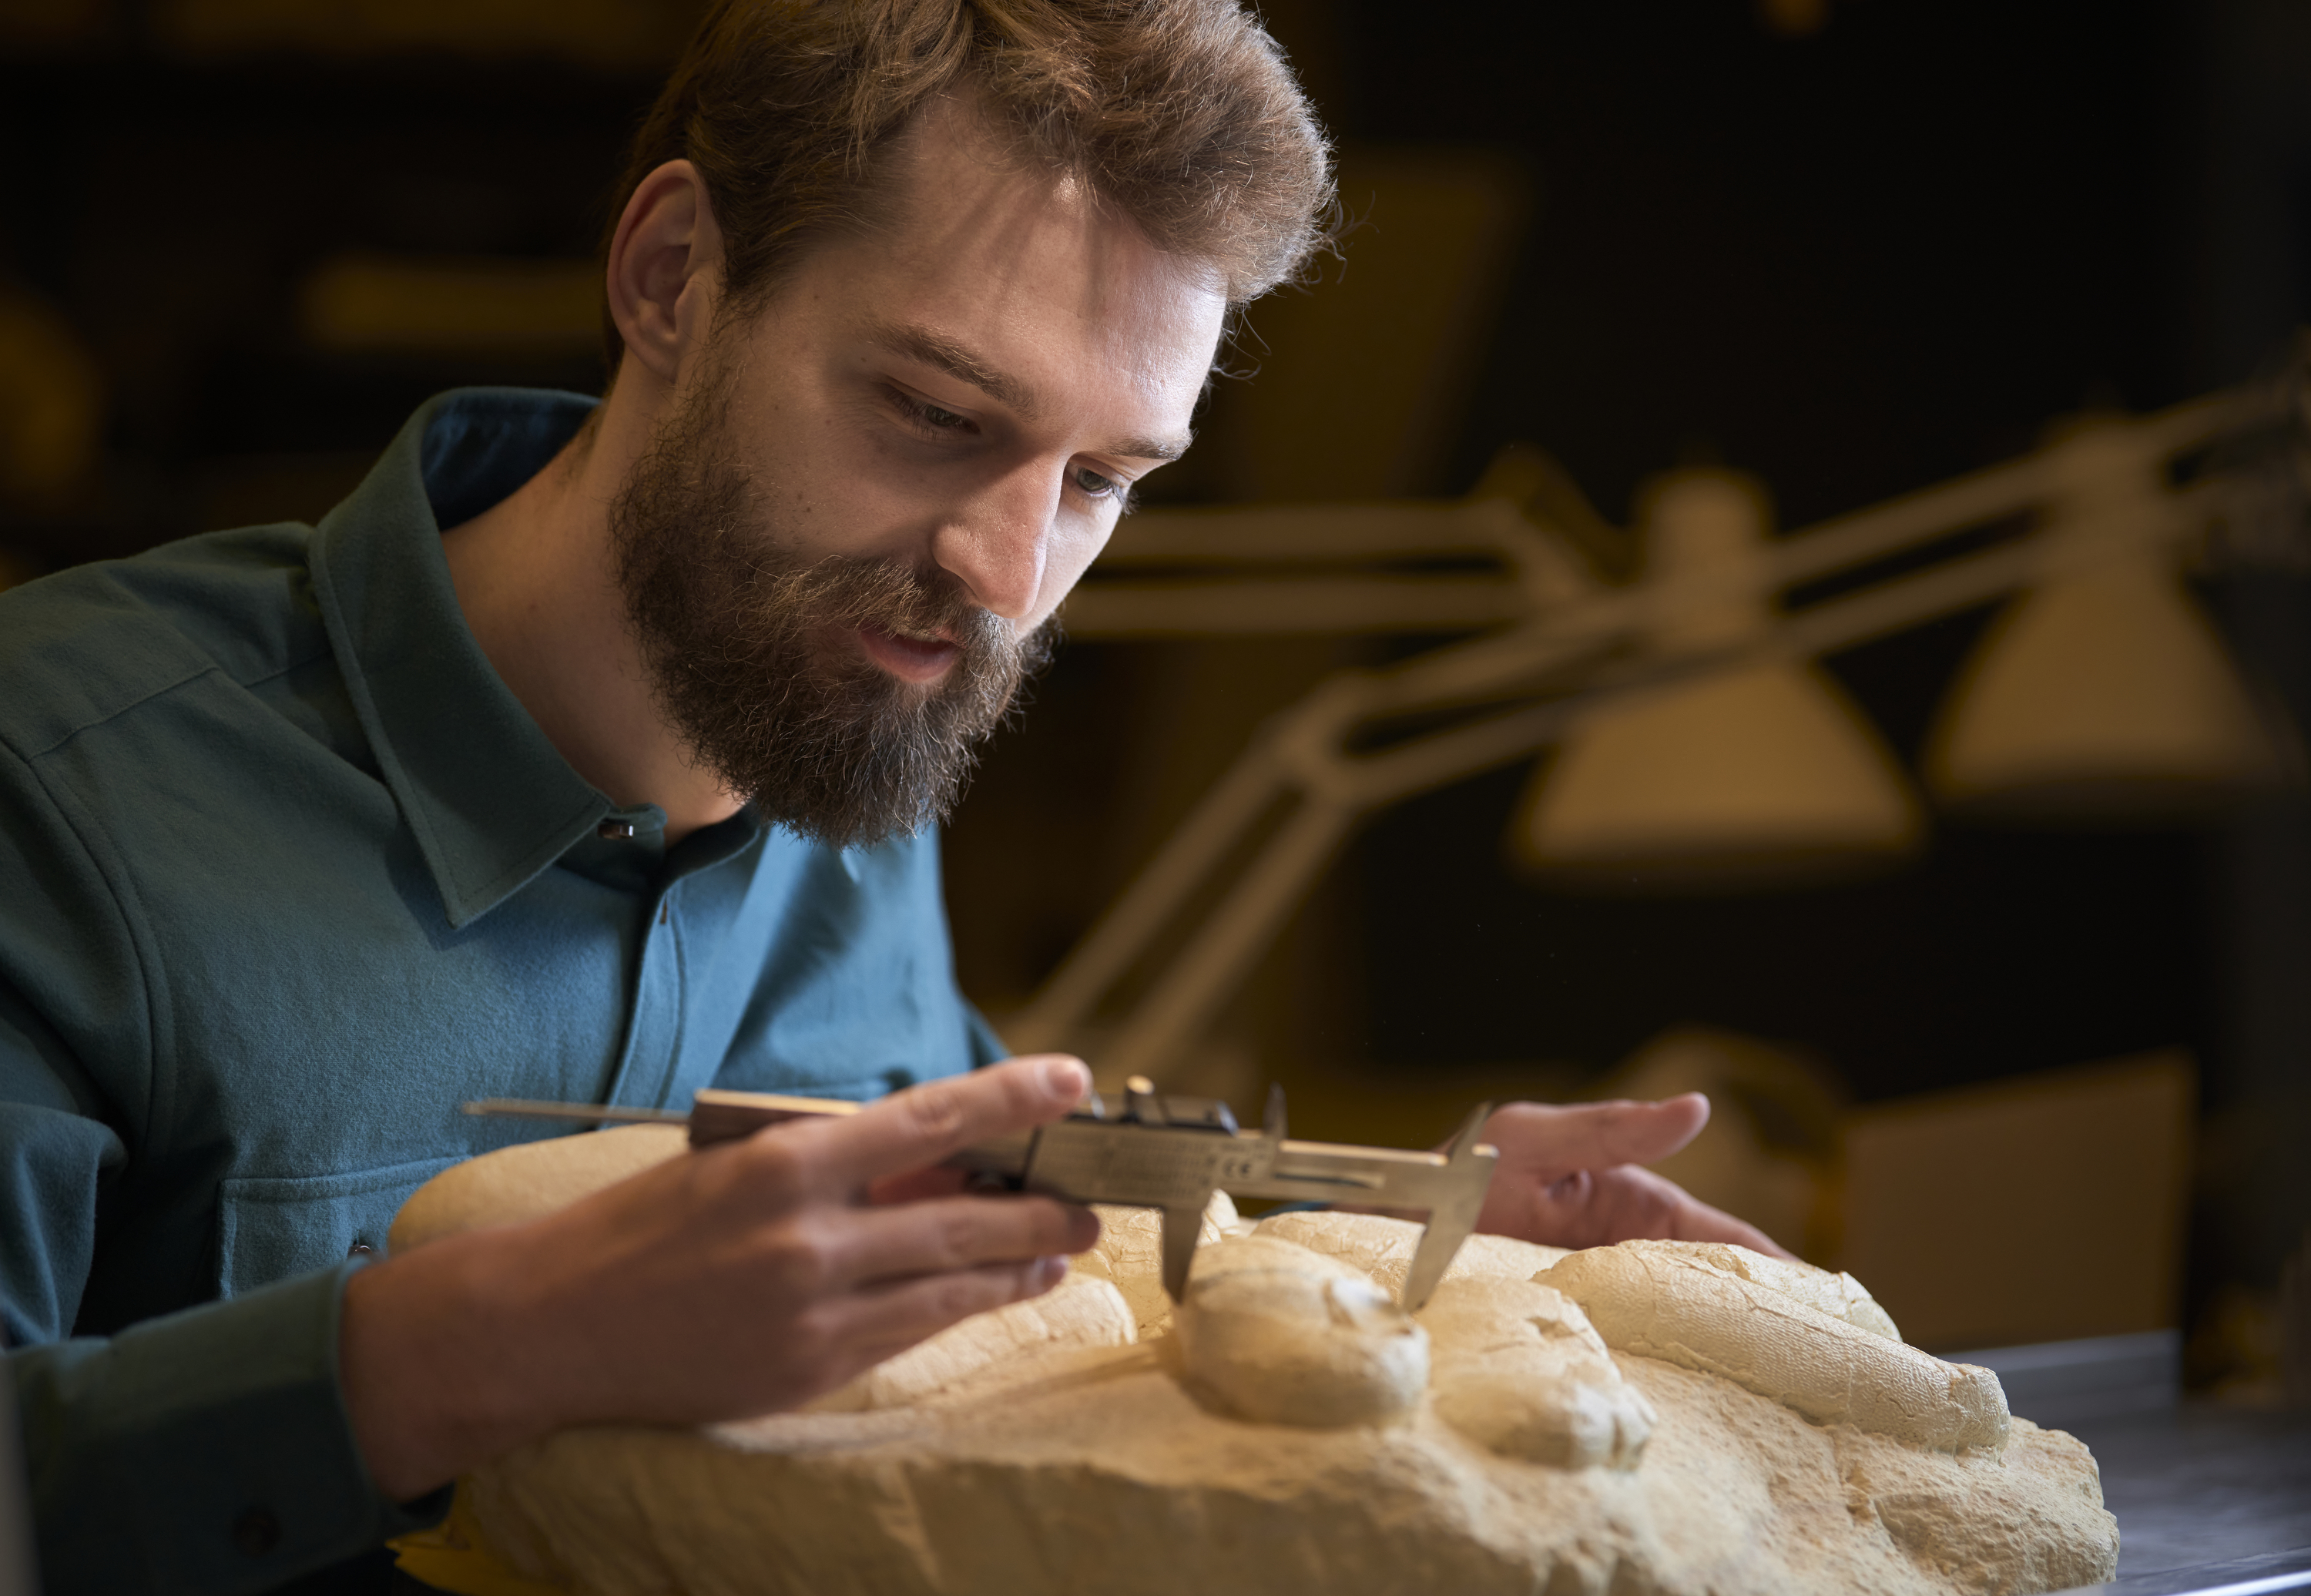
[[928, 416], [1093, 484]]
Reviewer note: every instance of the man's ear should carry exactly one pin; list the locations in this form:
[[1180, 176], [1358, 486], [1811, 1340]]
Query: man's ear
[[664, 266]]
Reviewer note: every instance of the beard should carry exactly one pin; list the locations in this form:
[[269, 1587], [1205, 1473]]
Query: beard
[[753, 654]]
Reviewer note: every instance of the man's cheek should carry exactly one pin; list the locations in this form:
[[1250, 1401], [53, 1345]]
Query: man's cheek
[[1070, 557]]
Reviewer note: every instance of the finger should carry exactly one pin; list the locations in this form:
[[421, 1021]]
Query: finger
[[917, 1185], [1549, 1138], [917, 1127], [957, 1233], [1696, 1221], [884, 1321], [1631, 1204]]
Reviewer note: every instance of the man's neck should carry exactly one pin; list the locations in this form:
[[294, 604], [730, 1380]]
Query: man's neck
[[537, 581]]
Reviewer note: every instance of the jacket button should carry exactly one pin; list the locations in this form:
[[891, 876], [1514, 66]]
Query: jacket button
[[615, 831], [359, 1250], [256, 1532]]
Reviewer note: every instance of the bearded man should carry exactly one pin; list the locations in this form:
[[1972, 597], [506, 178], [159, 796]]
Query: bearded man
[[593, 750]]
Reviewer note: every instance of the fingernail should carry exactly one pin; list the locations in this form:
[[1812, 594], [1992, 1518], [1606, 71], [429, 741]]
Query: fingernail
[[1082, 1231], [1066, 1079], [1048, 1272]]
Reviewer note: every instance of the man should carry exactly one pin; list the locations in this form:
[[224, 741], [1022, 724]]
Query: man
[[592, 752]]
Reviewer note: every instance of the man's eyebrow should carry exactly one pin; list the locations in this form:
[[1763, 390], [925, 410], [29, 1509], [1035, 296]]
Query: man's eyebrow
[[1151, 449], [963, 363], [957, 360]]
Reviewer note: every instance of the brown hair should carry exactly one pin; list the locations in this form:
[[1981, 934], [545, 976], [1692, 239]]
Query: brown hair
[[1179, 113]]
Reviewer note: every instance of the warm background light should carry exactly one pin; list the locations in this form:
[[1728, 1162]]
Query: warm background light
[[1765, 772]]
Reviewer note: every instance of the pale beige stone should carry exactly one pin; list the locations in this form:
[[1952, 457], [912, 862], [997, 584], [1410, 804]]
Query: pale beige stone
[[1220, 1212], [1115, 1480], [990, 1351], [1266, 1250], [1062, 1467], [1281, 1335], [1382, 1247], [529, 1180], [1657, 1300], [1129, 1256], [1501, 1257], [1839, 1296], [1518, 1368], [1373, 1243]]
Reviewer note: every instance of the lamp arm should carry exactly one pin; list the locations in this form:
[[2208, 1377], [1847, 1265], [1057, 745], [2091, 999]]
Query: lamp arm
[[1881, 530], [1220, 819], [1533, 585], [1191, 988], [1827, 627], [1326, 607], [1314, 534], [1906, 601], [1485, 666], [1301, 752], [1185, 995]]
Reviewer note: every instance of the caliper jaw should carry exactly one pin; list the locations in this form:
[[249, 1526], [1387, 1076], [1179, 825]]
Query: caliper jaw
[[1460, 1199]]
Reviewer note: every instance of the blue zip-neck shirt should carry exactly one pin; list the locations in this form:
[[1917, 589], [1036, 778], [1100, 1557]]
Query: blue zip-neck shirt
[[287, 874]]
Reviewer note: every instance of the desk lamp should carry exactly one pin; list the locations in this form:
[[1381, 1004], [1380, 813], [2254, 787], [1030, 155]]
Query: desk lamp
[[1650, 674]]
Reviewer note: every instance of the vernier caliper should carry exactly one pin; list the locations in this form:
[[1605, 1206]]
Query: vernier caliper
[[1142, 1148]]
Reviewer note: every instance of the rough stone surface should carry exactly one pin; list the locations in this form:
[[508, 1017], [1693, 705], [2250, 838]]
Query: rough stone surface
[[529, 1180], [991, 1350], [1839, 1296], [1281, 1335], [1129, 1256], [1657, 1300], [1520, 1370], [1059, 1465]]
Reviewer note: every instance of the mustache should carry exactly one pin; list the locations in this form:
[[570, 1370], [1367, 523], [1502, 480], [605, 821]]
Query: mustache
[[893, 596]]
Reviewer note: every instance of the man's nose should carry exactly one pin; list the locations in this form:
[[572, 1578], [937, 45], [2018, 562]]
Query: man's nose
[[998, 545]]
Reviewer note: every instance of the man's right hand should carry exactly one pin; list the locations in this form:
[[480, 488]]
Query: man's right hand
[[737, 1279]]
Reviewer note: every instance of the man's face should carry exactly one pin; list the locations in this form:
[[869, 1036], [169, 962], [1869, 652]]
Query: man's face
[[870, 495]]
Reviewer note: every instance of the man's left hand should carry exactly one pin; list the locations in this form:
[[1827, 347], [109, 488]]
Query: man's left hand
[[1571, 1177]]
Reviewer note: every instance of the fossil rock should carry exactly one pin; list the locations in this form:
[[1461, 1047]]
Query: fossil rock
[[1648, 1418]]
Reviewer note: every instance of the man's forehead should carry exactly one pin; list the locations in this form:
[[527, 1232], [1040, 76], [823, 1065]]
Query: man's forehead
[[956, 190], [983, 265]]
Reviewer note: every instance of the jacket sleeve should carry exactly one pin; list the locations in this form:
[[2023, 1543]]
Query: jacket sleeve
[[208, 1451]]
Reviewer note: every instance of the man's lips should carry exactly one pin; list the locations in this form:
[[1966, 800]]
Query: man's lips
[[910, 658]]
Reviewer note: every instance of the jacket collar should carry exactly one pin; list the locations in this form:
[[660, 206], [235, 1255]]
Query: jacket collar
[[491, 800]]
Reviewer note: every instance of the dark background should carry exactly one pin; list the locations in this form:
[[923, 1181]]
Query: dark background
[[1855, 261], [1855, 253]]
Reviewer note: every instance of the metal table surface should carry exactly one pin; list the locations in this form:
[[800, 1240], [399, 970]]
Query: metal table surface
[[2207, 1498]]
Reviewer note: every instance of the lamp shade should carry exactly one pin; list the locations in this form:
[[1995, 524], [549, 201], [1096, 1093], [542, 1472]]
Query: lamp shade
[[2106, 694], [1767, 774], [1763, 774]]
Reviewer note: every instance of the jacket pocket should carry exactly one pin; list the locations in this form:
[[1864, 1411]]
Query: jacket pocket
[[270, 1228]]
